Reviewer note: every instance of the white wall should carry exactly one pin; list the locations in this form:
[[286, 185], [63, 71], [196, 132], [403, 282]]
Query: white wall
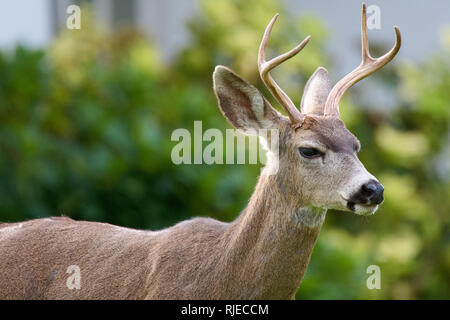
[[31, 22], [164, 21], [25, 22], [419, 21]]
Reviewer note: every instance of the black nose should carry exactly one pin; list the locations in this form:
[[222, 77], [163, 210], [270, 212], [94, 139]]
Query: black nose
[[372, 191]]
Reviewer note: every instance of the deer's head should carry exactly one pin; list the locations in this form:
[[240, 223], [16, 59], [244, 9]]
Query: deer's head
[[318, 162]]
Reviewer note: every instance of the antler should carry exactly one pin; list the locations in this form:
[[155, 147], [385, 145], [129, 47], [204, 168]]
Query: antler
[[368, 66], [265, 67]]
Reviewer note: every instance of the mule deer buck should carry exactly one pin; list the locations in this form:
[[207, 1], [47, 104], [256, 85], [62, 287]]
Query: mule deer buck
[[263, 254]]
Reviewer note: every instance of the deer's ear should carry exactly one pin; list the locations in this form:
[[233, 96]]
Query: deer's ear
[[316, 92], [241, 103]]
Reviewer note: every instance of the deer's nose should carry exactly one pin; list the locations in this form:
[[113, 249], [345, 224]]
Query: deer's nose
[[372, 191]]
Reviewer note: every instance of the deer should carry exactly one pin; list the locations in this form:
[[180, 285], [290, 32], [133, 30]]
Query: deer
[[262, 254]]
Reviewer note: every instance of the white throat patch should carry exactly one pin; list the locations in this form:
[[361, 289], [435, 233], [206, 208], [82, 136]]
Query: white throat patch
[[309, 216]]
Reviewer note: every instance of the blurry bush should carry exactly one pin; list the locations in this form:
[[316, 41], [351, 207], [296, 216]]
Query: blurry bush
[[85, 131]]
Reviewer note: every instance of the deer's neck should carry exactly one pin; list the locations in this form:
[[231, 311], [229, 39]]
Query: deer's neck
[[270, 243]]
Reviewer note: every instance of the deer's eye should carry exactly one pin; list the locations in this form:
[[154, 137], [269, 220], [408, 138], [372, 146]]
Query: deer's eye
[[309, 153]]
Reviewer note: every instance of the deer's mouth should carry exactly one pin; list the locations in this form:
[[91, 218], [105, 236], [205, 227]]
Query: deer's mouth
[[353, 206], [365, 209]]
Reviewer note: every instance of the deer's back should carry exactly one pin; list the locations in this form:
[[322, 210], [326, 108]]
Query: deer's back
[[114, 262], [35, 257]]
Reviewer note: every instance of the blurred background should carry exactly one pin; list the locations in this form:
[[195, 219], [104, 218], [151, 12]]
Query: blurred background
[[86, 118]]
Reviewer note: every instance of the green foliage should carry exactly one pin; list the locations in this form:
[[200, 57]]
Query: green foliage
[[85, 131]]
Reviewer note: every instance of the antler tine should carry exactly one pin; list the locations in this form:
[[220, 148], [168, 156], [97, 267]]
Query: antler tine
[[265, 67], [368, 66]]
